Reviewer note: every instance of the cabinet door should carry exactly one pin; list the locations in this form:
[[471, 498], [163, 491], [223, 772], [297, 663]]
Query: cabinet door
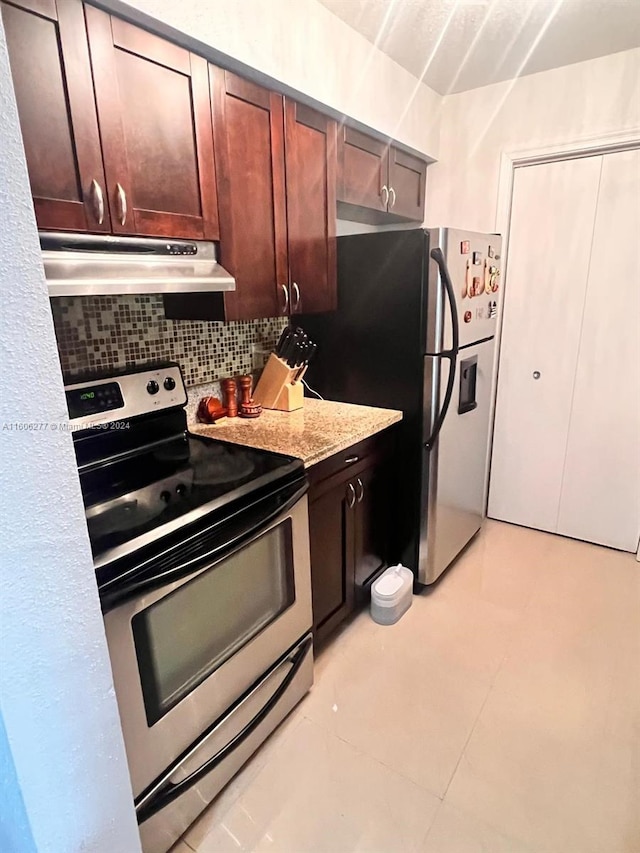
[[249, 137], [372, 511], [51, 72], [407, 180], [155, 124], [600, 496], [363, 170], [553, 212], [310, 146], [331, 533]]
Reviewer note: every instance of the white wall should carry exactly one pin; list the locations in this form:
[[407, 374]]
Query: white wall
[[576, 102], [302, 44], [60, 736]]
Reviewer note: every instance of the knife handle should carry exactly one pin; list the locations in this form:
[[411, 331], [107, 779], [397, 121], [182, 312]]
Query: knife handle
[[282, 339], [301, 372]]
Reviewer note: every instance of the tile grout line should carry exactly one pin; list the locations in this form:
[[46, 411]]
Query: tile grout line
[[425, 837], [388, 767], [466, 743], [486, 698], [374, 758], [524, 845]]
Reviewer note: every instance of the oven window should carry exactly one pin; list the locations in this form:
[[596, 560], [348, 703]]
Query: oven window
[[184, 637]]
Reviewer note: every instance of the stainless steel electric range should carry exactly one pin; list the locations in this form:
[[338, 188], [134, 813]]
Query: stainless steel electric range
[[201, 552]]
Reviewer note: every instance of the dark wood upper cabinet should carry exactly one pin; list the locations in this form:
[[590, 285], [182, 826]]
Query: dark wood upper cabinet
[[248, 129], [155, 125], [276, 169], [363, 170], [407, 180], [377, 182], [51, 72], [311, 165], [120, 128]]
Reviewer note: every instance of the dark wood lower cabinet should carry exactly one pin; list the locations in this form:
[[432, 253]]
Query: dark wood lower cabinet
[[372, 531], [331, 532], [350, 508]]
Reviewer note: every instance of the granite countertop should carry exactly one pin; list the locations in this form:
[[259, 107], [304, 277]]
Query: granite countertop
[[313, 433]]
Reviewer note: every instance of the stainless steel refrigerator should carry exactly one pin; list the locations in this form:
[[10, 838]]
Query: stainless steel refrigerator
[[415, 330]]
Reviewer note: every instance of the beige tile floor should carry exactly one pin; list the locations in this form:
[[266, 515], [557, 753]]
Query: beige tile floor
[[501, 714]]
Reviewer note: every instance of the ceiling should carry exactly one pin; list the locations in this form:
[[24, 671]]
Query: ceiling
[[455, 45]]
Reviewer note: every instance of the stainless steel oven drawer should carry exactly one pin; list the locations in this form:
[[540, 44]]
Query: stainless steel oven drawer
[[228, 745], [184, 653]]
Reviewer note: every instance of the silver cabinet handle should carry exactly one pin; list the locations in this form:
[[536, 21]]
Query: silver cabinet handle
[[296, 291], [351, 459], [285, 310], [351, 496], [122, 203], [98, 201], [384, 192], [392, 197], [360, 490]]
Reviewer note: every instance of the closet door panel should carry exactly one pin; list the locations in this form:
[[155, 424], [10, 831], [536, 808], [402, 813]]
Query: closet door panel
[[601, 485], [553, 214]]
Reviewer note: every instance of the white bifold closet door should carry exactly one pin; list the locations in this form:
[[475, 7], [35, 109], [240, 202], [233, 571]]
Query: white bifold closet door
[[552, 216], [600, 498], [566, 451]]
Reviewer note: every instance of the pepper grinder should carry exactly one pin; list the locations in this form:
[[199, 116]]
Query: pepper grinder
[[248, 407], [230, 390]]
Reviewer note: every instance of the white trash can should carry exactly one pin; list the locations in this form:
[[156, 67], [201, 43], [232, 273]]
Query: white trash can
[[391, 595]]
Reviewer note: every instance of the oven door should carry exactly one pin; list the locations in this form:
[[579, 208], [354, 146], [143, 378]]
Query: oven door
[[183, 652]]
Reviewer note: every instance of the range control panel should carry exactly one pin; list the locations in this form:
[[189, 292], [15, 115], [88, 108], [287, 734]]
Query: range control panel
[[127, 395], [83, 402], [182, 249]]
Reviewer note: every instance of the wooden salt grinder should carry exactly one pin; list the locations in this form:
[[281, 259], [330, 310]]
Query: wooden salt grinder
[[248, 407], [230, 391]]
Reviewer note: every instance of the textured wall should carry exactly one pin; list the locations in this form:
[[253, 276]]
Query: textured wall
[[103, 332], [56, 692], [576, 102], [302, 44], [15, 831]]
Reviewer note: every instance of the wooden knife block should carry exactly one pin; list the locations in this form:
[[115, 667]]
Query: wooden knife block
[[276, 388]]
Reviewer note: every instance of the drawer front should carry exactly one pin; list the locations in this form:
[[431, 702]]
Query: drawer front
[[350, 459]]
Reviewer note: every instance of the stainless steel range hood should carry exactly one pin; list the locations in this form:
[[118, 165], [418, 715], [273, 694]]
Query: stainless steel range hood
[[97, 265]]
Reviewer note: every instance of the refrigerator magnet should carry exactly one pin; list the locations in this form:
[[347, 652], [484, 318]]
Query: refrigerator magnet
[[466, 290]]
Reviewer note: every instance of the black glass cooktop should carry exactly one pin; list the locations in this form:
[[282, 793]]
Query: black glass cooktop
[[173, 484]]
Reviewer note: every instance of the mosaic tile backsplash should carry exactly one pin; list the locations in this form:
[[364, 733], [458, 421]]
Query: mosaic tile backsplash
[[103, 332]]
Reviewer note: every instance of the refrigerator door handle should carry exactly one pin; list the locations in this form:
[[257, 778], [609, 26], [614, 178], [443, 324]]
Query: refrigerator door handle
[[451, 354]]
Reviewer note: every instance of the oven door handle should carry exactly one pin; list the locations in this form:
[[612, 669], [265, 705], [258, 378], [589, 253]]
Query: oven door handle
[[162, 792], [120, 590]]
